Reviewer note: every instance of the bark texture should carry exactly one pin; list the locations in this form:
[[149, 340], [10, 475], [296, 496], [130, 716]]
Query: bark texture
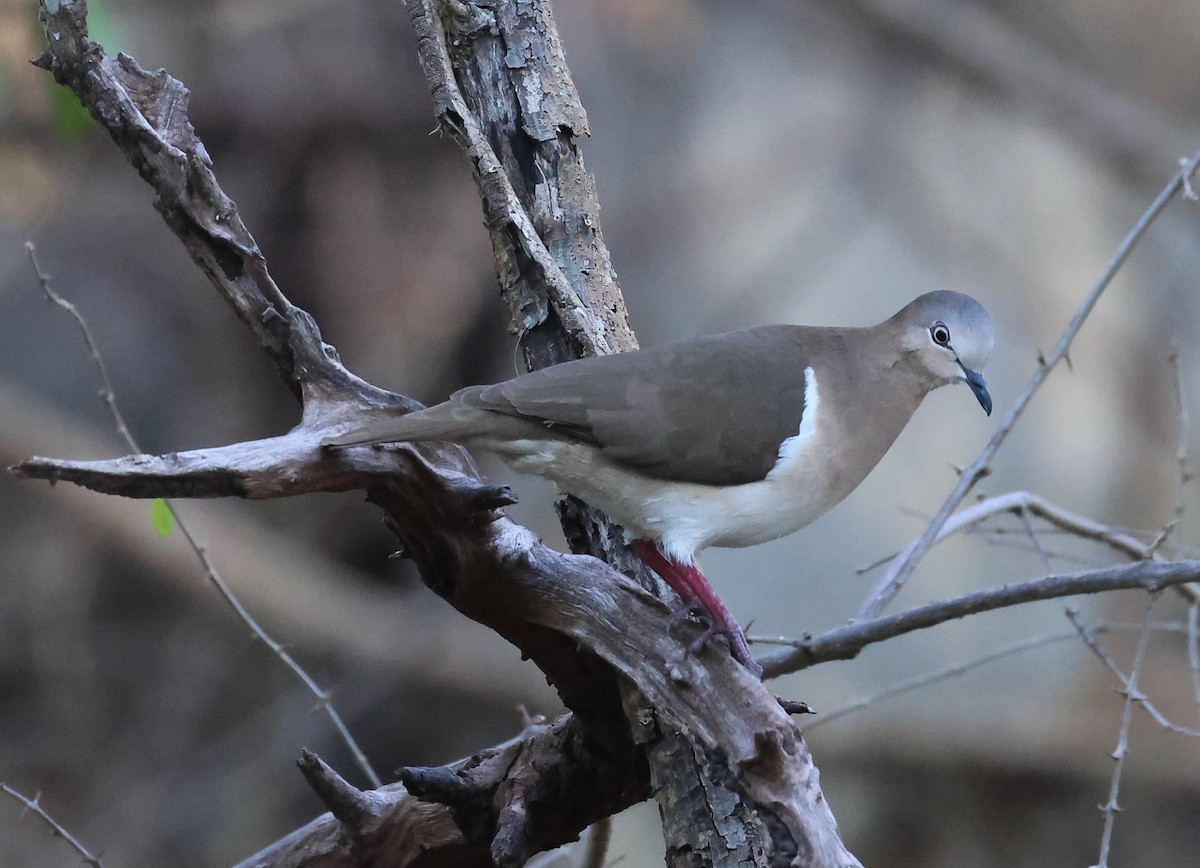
[[734, 778]]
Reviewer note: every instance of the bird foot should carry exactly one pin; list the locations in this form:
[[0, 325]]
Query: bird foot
[[729, 632], [696, 594], [739, 648]]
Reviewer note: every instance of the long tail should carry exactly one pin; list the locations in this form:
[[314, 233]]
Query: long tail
[[447, 421], [456, 420]]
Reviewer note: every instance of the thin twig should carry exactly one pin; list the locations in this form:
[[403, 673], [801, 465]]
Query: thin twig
[[108, 396], [1017, 502], [928, 678], [1193, 646], [34, 806], [1035, 542], [1087, 634], [1132, 695], [106, 387], [598, 840], [1181, 452], [843, 643], [1009, 539], [1179, 627], [891, 583], [936, 675]]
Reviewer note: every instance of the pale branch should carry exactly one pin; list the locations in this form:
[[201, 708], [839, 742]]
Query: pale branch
[[1020, 502], [844, 643], [146, 115], [34, 806], [1088, 635], [925, 679], [899, 571], [597, 636], [1181, 433], [1132, 695], [284, 466], [1024, 503], [518, 120], [1193, 648]]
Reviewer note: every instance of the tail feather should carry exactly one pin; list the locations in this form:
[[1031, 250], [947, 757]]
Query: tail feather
[[448, 421], [451, 420]]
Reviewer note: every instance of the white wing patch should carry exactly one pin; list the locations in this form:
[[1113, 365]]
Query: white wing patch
[[685, 517], [791, 449]]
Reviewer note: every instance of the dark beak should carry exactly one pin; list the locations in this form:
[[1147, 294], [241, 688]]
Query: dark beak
[[979, 387]]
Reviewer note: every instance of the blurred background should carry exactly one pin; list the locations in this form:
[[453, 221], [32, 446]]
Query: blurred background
[[764, 161]]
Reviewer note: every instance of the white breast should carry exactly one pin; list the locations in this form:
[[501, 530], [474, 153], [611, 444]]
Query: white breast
[[686, 517]]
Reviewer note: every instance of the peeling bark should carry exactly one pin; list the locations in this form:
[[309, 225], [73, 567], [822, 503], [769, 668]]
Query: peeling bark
[[731, 771]]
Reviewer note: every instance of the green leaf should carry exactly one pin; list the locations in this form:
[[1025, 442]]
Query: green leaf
[[161, 517], [71, 120]]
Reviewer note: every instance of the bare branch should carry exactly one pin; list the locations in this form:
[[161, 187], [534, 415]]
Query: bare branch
[[598, 637], [891, 583], [518, 122], [925, 679], [145, 113], [1022, 502], [1089, 639], [583, 305], [1193, 647], [844, 643], [284, 466], [1181, 452], [1132, 695], [107, 393], [34, 806], [109, 397]]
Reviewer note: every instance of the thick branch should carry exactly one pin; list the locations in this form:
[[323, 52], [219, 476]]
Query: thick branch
[[502, 89], [539, 200], [284, 466], [599, 637], [146, 115]]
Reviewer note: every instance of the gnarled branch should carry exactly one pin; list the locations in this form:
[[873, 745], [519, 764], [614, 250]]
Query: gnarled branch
[[598, 636]]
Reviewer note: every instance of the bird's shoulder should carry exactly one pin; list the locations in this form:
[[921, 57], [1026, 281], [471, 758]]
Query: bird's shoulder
[[713, 410]]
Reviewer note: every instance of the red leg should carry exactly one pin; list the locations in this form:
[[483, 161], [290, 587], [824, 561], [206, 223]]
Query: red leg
[[690, 584]]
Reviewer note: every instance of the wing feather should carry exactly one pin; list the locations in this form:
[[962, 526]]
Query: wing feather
[[712, 411]]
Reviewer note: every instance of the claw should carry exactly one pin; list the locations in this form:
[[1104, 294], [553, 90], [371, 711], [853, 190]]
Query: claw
[[695, 593], [712, 631], [734, 638]]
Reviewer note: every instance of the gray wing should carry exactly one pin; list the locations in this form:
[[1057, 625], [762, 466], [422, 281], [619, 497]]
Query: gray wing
[[711, 411]]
